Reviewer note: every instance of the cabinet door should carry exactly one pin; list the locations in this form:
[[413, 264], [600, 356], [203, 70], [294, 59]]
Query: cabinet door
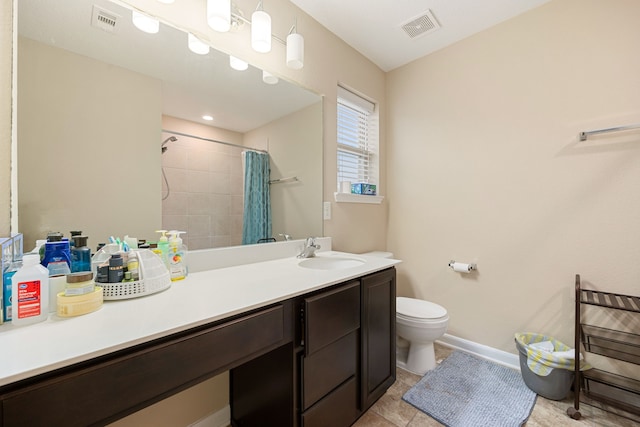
[[378, 329], [331, 315]]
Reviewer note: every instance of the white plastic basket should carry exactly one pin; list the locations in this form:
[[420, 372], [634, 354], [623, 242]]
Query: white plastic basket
[[154, 277]]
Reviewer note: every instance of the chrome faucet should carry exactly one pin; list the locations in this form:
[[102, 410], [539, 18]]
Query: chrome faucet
[[310, 247]]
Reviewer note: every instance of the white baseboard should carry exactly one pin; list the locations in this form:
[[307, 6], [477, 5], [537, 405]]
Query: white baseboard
[[220, 418], [480, 350]]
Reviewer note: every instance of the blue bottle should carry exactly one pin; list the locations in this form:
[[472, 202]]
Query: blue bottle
[[80, 255], [57, 257], [7, 287]]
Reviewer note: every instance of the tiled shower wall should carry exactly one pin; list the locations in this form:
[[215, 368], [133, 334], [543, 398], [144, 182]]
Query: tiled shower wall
[[205, 192]]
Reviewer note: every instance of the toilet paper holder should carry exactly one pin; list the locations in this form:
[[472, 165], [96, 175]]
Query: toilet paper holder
[[462, 267]]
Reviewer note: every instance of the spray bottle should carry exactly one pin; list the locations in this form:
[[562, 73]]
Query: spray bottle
[[177, 253]]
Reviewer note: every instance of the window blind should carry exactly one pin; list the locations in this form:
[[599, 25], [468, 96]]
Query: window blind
[[357, 139]]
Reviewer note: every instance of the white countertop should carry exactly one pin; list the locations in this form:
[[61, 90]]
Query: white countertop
[[201, 298]]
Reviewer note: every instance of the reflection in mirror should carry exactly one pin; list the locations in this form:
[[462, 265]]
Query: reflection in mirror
[[95, 105]]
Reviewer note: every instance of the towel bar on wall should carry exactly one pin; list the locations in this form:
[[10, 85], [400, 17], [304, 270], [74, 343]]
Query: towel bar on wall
[[584, 135], [281, 180]]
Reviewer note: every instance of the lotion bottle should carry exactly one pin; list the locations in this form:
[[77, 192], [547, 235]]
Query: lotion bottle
[[30, 292], [177, 260], [163, 247]]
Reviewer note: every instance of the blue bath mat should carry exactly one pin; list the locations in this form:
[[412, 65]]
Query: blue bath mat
[[466, 391]]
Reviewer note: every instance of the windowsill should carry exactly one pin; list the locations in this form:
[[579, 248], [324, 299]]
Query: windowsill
[[358, 198]]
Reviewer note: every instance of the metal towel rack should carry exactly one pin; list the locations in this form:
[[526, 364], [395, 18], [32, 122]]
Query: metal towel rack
[[282, 180], [584, 135]]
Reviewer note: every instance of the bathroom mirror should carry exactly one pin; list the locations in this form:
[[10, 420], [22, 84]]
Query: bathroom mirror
[[94, 97]]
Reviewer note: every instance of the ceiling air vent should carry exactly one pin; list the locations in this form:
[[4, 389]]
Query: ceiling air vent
[[423, 24], [105, 20]]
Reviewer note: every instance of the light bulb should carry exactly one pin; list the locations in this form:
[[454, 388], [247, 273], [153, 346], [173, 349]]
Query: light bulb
[[197, 46], [295, 51], [261, 31], [269, 78], [219, 15], [145, 23], [237, 64]]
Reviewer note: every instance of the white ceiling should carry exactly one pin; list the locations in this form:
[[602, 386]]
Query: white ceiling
[[374, 27]]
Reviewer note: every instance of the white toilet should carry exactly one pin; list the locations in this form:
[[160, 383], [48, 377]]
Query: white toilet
[[418, 324]]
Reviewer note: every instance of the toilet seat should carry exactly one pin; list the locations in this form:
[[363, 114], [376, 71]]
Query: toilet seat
[[419, 310]]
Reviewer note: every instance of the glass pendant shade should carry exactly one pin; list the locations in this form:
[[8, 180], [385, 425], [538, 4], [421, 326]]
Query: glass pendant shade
[[261, 31], [269, 78], [219, 15], [295, 51], [197, 46], [237, 64], [145, 23]]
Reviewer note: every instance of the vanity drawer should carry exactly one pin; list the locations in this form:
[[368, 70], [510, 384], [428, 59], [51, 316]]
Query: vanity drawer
[[328, 367], [98, 392], [337, 409], [331, 315]]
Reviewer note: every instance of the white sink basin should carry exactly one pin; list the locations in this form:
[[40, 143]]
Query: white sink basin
[[330, 263]]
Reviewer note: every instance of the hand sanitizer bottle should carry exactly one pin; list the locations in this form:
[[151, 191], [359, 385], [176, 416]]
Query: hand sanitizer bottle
[[30, 292]]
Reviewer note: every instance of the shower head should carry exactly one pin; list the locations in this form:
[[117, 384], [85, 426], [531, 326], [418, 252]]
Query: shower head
[[170, 139]]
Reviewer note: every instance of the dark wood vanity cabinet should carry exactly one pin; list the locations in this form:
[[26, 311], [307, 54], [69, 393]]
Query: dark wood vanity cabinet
[[343, 360], [320, 359], [378, 335], [104, 389]]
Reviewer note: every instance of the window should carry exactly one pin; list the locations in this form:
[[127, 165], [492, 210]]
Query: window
[[357, 141]]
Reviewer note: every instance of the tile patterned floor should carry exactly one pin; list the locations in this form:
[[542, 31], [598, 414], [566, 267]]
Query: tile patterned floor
[[391, 411]]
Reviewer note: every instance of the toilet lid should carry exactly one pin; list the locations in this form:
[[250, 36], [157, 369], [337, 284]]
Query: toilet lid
[[419, 309]]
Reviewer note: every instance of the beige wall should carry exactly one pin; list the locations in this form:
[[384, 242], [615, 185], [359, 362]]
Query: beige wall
[[294, 150], [487, 167], [65, 163], [182, 409]]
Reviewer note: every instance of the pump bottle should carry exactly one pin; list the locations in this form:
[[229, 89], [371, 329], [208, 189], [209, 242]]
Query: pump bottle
[[177, 260], [163, 247]]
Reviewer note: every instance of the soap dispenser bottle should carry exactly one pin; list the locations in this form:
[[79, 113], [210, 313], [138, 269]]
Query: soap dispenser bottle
[[177, 260], [163, 247]]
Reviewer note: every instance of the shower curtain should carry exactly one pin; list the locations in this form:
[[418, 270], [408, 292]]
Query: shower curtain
[[257, 200]]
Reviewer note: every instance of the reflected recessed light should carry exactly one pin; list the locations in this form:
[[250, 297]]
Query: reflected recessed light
[[207, 117]]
